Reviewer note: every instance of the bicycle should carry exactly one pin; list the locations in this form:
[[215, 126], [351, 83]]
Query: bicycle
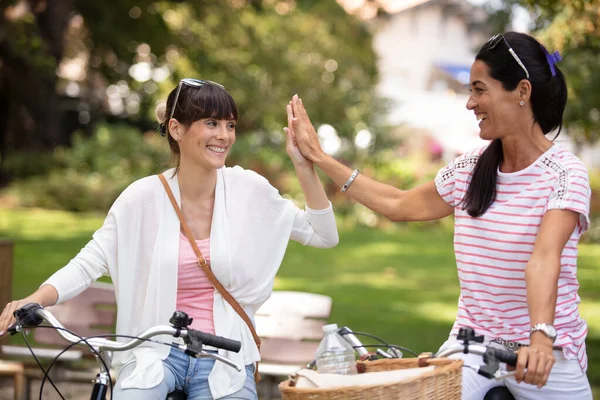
[[492, 357], [446, 384], [32, 315]]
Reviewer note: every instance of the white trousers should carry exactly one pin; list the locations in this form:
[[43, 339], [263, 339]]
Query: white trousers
[[566, 380]]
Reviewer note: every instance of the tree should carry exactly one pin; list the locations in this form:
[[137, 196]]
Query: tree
[[573, 28], [132, 52], [35, 37]]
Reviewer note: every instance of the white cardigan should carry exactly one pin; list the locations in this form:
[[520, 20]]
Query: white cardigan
[[138, 247]]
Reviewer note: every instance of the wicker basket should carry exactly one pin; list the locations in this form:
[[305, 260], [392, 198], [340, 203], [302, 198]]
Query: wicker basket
[[443, 383]]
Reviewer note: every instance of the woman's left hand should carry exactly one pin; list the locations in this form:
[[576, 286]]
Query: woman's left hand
[[535, 363], [291, 146]]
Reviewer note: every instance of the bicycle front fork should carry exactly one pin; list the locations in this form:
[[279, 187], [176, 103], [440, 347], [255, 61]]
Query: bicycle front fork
[[100, 388], [102, 381]]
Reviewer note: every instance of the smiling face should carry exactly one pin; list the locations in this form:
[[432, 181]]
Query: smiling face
[[206, 143], [497, 110]]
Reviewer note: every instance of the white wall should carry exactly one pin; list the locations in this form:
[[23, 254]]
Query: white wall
[[409, 43]]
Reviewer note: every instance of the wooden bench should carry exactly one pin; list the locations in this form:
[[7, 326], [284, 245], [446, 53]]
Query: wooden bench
[[290, 327], [12, 369], [16, 371], [93, 312]]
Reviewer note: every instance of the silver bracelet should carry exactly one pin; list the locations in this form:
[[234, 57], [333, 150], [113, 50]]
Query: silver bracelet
[[349, 181]]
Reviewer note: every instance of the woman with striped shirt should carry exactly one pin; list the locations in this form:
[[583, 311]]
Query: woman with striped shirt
[[520, 206]]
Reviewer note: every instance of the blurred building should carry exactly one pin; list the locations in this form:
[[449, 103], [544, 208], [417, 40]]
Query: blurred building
[[425, 49]]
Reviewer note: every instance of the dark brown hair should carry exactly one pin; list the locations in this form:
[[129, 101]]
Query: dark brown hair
[[195, 103]]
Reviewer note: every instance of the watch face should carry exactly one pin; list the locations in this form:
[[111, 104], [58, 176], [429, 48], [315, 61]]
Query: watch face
[[551, 331]]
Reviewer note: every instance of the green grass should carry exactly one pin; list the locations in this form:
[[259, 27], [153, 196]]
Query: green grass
[[399, 284]]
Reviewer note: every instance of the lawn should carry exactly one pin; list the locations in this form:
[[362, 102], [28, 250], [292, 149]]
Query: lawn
[[399, 283]]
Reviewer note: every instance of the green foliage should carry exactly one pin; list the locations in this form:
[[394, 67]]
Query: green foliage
[[273, 52], [21, 165], [573, 28], [263, 51], [93, 172], [593, 234], [26, 43]]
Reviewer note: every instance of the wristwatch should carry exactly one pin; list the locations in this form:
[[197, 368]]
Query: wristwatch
[[546, 329]]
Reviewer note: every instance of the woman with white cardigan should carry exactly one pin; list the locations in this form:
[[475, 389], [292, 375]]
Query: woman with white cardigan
[[241, 226]]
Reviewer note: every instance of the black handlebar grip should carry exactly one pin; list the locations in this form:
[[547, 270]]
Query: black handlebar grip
[[213, 340], [506, 356]]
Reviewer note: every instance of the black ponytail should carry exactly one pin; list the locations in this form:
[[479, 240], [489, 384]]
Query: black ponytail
[[482, 189]]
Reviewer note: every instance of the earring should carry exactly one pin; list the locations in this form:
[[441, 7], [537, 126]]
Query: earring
[[521, 103]]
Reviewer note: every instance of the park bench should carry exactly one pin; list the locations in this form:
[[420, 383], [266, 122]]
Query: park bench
[[12, 369]]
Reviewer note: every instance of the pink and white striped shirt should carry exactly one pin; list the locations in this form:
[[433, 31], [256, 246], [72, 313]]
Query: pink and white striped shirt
[[492, 250]]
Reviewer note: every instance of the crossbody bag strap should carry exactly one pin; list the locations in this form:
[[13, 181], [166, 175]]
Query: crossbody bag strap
[[202, 263]]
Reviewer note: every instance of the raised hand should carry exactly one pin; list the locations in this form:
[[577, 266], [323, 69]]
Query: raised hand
[[291, 146], [306, 137]]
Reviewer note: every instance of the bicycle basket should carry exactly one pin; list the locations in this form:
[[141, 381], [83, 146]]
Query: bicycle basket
[[443, 383]]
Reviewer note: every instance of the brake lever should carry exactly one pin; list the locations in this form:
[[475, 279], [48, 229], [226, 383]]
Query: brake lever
[[492, 370], [501, 375], [491, 366], [197, 352]]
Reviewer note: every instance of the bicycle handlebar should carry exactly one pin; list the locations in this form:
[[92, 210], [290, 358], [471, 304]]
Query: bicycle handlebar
[[468, 342], [504, 356], [353, 340], [215, 341], [32, 315]]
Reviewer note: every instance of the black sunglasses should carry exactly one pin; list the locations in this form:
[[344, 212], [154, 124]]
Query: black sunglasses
[[493, 42], [197, 83]]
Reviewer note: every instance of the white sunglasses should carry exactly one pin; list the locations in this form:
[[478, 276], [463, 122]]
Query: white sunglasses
[[493, 42], [197, 83]]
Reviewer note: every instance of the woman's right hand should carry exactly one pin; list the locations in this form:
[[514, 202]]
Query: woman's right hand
[[306, 137], [7, 318], [300, 162], [45, 296]]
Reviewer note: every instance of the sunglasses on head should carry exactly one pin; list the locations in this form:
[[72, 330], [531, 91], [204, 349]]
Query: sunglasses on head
[[196, 83], [493, 42]]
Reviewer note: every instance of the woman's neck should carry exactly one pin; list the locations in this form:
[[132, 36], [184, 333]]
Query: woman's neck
[[520, 151], [196, 184]]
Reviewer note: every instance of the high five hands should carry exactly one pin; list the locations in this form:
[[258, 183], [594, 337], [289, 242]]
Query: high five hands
[[291, 146], [301, 133]]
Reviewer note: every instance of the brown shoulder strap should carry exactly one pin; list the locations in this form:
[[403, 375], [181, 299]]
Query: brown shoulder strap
[[205, 267]]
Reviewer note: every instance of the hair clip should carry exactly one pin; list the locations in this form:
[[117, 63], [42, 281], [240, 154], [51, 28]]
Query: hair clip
[[162, 128], [552, 59]]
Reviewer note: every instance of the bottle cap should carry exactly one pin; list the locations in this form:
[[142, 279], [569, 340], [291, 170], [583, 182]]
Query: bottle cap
[[330, 328]]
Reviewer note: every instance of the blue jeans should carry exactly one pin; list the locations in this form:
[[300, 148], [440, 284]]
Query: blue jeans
[[184, 373]]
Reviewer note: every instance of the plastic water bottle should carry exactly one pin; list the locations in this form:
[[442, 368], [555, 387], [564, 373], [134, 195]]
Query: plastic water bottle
[[334, 354]]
